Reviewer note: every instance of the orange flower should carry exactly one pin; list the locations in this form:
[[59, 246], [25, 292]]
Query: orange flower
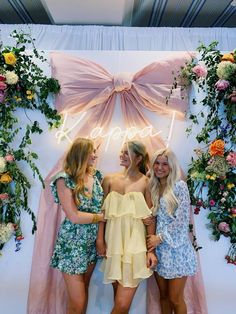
[[228, 57], [5, 178], [217, 148]]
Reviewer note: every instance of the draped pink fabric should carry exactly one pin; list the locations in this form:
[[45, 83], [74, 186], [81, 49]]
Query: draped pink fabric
[[85, 86]]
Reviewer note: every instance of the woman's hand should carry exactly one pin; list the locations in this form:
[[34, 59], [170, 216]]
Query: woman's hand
[[149, 220], [153, 241], [151, 260], [101, 217], [101, 247]]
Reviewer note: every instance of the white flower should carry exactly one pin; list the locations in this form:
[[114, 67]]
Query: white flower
[[225, 193], [11, 77], [2, 164], [223, 200], [6, 231], [225, 70]]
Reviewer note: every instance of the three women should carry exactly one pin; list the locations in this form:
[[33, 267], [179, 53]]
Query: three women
[[123, 242]]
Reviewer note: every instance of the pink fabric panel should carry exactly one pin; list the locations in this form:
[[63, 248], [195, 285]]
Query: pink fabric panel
[[85, 86], [153, 84], [133, 115]]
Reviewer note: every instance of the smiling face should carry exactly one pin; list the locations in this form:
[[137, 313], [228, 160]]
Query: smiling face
[[161, 167], [125, 160], [92, 158]]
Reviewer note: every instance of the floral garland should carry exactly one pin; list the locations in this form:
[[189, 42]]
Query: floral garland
[[22, 85], [211, 174]]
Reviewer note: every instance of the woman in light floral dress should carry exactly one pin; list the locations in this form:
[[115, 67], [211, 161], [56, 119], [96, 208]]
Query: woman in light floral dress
[[175, 253], [78, 190]]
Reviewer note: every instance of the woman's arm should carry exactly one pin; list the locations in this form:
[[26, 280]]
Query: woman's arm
[[69, 207], [174, 233], [100, 242], [151, 229]]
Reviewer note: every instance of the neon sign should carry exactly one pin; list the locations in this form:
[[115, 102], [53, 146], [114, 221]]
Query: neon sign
[[113, 133]]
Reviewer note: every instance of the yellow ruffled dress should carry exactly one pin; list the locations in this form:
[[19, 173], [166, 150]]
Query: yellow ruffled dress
[[125, 237]]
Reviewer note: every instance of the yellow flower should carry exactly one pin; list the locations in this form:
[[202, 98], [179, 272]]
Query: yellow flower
[[230, 186], [10, 58], [28, 92], [17, 98], [228, 57], [208, 176], [30, 97], [213, 177], [5, 178]]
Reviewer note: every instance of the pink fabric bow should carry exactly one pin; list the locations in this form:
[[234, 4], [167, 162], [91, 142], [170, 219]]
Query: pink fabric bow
[[86, 85]]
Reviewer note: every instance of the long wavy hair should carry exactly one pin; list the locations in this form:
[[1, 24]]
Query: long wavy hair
[[173, 176], [75, 164], [139, 149]]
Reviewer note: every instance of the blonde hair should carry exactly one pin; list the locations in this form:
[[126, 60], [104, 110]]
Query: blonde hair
[[139, 149], [75, 164], [173, 176]]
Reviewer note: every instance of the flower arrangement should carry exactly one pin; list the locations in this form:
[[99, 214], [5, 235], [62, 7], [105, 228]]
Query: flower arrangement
[[211, 175], [22, 86]]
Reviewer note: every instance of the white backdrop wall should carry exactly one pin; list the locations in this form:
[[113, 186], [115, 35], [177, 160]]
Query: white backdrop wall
[[219, 278]]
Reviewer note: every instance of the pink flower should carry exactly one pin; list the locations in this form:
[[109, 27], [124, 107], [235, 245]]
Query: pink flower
[[200, 70], [224, 227], [4, 196], [212, 203], [222, 187], [3, 85], [222, 84], [2, 78], [9, 158], [231, 159]]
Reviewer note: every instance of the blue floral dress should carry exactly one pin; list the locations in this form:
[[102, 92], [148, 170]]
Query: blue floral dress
[[176, 255], [75, 247]]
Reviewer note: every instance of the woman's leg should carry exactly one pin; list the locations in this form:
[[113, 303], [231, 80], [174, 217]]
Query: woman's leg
[[115, 286], [176, 295], [87, 277], [77, 288], [123, 299], [166, 307]]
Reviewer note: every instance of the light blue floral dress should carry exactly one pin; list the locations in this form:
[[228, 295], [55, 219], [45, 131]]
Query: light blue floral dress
[[75, 247], [176, 255]]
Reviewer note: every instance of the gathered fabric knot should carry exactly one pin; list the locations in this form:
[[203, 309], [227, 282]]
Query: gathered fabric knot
[[122, 81]]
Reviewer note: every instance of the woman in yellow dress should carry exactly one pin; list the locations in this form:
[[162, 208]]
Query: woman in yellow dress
[[122, 239]]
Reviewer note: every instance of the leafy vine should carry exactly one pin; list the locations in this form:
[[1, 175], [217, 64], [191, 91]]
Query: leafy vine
[[22, 85], [211, 174]]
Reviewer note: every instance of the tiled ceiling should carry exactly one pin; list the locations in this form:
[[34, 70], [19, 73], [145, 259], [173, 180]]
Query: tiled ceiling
[[144, 13]]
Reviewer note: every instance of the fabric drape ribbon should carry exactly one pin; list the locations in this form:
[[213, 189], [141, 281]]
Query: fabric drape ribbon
[[87, 86]]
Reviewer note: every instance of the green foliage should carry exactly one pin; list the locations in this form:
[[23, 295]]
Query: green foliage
[[22, 85], [211, 175]]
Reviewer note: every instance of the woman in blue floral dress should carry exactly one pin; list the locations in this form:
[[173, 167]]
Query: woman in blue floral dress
[[78, 190], [175, 253]]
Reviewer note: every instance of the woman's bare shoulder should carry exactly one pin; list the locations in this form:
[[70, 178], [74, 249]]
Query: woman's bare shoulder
[[112, 176]]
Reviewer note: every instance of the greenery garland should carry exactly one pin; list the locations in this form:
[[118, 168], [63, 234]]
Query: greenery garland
[[211, 174], [22, 85]]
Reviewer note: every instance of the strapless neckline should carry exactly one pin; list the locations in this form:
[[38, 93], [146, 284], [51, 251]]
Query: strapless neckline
[[127, 193]]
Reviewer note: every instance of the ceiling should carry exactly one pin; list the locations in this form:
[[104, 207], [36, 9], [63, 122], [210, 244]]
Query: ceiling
[[142, 13]]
